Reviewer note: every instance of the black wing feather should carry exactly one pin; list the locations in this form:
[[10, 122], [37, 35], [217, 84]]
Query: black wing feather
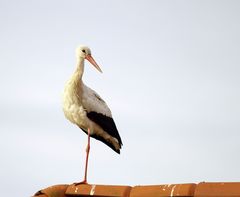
[[97, 137], [106, 123]]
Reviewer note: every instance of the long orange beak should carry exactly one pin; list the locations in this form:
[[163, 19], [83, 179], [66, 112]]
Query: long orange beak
[[93, 62]]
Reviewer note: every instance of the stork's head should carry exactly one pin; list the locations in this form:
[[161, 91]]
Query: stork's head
[[85, 53]]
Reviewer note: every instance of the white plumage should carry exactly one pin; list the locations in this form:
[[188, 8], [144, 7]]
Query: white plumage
[[93, 102]]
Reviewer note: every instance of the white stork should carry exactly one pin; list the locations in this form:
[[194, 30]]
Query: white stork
[[85, 108]]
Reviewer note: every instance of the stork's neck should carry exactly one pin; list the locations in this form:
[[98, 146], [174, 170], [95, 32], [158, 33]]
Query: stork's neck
[[77, 75]]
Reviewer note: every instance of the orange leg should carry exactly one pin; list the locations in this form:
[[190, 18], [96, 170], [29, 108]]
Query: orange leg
[[86, 162]]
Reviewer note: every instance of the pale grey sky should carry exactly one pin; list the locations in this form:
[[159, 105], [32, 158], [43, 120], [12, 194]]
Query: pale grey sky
[[170, 76]]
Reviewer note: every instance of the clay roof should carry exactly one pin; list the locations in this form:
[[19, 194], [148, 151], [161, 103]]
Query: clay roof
[[203, 189]]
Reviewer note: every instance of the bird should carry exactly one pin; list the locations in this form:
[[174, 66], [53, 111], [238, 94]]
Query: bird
[[85, 108]]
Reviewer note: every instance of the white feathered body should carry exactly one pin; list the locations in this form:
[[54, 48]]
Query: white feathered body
[[78, 100]]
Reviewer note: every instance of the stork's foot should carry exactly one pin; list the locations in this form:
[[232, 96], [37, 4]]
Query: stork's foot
[[81, 183]]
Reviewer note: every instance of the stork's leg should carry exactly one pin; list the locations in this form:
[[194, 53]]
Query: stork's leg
[[87, 154], [86, 162]]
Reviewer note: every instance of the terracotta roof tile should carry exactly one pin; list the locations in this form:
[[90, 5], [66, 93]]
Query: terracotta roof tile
[[217, 189], [99, 190], [163, 190], [53, 191]]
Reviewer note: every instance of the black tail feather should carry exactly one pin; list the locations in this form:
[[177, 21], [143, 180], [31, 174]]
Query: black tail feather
[[104, 141]]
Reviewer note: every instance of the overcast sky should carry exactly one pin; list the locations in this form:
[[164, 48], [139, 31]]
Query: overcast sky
[[170, 76]]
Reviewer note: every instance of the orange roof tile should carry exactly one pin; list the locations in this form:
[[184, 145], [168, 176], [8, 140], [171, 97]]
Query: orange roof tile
[[98, 190], [163, 190], [53, 191], [217, 189]]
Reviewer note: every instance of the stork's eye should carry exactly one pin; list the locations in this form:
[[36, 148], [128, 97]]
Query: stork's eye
[[83, 51]]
